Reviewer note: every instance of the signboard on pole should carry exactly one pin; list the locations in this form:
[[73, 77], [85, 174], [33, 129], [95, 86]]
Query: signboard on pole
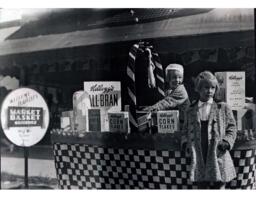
[[24, 117]]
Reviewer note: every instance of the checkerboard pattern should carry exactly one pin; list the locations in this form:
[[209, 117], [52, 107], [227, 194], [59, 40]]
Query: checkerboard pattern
[[80, 166], [245, 164]]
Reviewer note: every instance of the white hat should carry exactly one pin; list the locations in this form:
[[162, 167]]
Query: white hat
[[174, 66]]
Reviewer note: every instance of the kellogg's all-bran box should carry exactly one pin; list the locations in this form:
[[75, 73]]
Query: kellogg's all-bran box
[[104, 96]]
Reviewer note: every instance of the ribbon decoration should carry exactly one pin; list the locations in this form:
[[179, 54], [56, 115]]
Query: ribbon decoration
[[155, 77], [131, 88], [151, 68]]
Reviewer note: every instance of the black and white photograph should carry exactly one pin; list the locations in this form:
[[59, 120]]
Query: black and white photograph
[[127, 98]]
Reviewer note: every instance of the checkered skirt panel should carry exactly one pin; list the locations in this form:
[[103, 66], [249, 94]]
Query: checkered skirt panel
[[81, 166]]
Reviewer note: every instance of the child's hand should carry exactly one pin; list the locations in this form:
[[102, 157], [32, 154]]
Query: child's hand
[[223, 145], [185, 148], [148, 108]]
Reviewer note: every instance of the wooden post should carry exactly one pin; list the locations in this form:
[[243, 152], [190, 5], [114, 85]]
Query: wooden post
[[0, 163], [26, 167], [23, 82]]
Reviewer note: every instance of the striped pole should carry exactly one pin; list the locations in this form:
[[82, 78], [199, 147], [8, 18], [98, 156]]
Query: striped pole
[[159, 72], [131, 88]]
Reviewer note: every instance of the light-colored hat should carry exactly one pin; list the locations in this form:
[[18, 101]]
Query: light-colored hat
[[174, 66]]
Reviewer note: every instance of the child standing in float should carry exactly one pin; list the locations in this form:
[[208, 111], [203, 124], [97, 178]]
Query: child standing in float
[[210, 130]]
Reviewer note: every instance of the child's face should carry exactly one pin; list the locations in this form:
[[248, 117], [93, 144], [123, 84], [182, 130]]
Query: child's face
[[175, 78], [207, 91]]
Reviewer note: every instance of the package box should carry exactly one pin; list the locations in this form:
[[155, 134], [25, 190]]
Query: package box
[[80, 108], [252, 108], [118, 122], [232, 89], [104, 96], [67, 121], [168, 121], [245, 118], [104, 120], [144, 119], [94, 120], [80, 102], [80, 122]]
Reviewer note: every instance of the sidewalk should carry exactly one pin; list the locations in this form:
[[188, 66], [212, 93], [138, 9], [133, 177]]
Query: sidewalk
[[36, 167], [40, 165]]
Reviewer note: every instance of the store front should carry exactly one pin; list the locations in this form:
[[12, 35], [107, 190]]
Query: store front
[[57, 65]]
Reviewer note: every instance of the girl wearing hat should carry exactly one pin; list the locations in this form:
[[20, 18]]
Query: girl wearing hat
[[176, 96], [210, 131]]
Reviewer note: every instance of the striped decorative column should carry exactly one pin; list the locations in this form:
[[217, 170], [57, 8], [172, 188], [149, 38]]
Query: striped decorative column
[[131, 88], [159, 73], [154, 61]]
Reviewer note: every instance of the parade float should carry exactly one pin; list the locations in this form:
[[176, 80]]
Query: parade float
[[105, 141], [150, 157]]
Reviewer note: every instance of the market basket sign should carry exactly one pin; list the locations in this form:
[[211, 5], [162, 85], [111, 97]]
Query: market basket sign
[[24, 117]]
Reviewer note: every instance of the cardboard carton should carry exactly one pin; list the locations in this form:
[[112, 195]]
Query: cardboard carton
[[232, 89], [118, 122], [168, 121], [104, 96], [144, 121], [67, 121], [80, 108], [246, 118], [94, 120]]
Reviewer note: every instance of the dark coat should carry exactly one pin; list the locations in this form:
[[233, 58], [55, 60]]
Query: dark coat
[[221, 126]]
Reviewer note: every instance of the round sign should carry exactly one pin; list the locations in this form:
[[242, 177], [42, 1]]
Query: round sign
[[24, 117]]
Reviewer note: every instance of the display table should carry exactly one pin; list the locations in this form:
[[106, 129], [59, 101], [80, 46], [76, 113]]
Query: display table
[[135, 161]]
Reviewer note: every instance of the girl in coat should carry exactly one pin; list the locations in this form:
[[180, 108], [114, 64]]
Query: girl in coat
[[176, 96], [210, 132]]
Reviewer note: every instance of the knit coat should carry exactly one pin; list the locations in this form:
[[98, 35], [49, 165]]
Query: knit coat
[[221, 126], [174, 99]]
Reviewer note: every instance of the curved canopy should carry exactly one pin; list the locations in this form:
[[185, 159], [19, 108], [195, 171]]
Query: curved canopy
[[214, 21]]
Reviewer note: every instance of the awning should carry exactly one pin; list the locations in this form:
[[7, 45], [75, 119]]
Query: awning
[[214, 21], [5, 32]]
